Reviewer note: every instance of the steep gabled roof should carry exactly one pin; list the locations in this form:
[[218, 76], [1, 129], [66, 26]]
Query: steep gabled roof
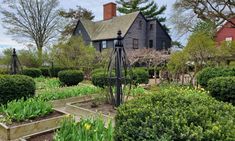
[[108, 29]]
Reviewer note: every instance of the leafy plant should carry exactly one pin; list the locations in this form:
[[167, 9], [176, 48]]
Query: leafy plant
[[62, 93], [85, 130], [175, 113], [22, 110], [46, 83]]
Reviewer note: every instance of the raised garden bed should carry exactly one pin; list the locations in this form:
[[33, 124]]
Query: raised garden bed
[[17, 130], [62, 102], [44, 136], [85, 109]]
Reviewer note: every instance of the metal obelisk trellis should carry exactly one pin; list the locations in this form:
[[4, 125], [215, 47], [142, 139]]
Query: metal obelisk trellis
[[15, 63], [118, 63]]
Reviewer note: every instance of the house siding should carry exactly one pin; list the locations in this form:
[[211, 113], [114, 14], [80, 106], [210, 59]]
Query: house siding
[[226, 31], [83, 33], [97, 44], [136, 33], [151, 33], [161, 36]]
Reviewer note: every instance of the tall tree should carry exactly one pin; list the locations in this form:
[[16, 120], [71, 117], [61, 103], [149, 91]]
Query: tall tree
[[148, 7], [189, 12], [34, 21], [73, 15]]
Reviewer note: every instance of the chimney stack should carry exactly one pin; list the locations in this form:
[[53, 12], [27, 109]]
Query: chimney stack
[[110, 10]]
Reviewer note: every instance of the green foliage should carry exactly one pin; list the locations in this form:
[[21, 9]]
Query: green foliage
[[175, 113], [206, 74], [3, 71], [85, 130], [32, 72], [100, 79], [207, 27], [46, 83], [63, 93], [223, 88], [74, 54], [71, 77], [17, 111], [140, 76], [55, 70], [45, 71], [177, 63], [149, 8], [15, 87], [29, 58]]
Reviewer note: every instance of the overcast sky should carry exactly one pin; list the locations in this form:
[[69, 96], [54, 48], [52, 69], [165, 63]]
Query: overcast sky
[[95, 5]]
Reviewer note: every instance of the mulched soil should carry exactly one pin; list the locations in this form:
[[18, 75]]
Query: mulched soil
[[104, 108], [48, 136], [51, 115]]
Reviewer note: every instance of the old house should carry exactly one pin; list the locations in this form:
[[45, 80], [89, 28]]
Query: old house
[[137, 31], [226, 32]]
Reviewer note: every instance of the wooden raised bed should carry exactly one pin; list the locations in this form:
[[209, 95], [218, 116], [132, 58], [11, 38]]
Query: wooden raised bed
[[62, 102], [17, 131], [87, 113]]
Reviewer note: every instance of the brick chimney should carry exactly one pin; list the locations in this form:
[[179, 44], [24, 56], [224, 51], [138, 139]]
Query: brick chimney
[[110, 10]]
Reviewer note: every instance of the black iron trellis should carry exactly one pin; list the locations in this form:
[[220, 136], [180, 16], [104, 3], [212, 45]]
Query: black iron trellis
[[15, 66], [120, 64]]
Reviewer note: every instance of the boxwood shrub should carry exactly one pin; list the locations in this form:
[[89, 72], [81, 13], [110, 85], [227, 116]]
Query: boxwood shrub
[[223, 88], [55, 71], [71, 77], [140, 76], [206, 74], [175, 114], [15, 87], [32, 72], [45, 71]]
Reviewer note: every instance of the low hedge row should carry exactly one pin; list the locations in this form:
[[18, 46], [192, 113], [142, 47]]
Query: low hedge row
[[32, 72], [175, 114], [223, 88], [100, 78], [206, 74], [15, 87], [71, 77]]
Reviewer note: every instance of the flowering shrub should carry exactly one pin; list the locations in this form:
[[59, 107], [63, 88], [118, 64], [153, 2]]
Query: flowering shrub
[[175, 113], [85, 130]]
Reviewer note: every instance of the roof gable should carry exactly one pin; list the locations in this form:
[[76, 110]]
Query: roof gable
[[108, 29]]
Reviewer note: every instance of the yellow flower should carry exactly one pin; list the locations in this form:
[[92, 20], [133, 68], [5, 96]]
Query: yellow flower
[[68, 116], [87, 126]]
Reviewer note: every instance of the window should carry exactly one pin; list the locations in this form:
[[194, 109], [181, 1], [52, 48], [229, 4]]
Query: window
[[135, 43], [150, 43], [104, 44], [140, 25], [151, 27]]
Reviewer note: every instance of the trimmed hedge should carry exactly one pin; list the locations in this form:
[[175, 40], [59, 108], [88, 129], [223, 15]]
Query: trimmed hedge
[[15, 87], [206, 74], [71, 77], [223, 88], [140, 76], [55, 71], [32, 72], [45, 71], [175, 114]]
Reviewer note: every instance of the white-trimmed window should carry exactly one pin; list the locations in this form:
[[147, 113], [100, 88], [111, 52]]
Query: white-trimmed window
[[104, 44]]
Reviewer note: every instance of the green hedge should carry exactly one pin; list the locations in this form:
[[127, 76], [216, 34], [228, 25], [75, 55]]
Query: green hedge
[[140, 76], [32, 72], [45, 71], [71, 77], [175, 114], [206, 74], [55, 71], [4, 71], [15, 87], [223, 88]]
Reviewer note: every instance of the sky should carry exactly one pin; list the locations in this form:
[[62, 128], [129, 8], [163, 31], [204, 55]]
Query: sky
[[96, 6]]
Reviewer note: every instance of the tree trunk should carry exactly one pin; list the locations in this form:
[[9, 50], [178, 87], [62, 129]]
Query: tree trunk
[[40, 56]]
